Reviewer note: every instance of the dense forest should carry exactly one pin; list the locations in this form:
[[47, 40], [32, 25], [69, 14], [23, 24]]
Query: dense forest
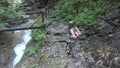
[[98, 21]]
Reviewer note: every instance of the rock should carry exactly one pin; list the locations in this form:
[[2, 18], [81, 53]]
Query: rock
[[110, 35], [117, 59]]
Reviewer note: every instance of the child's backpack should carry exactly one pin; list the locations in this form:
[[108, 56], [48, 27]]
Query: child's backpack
[[75, 33]]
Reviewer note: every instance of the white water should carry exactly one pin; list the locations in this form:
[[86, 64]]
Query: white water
[[20, 48]]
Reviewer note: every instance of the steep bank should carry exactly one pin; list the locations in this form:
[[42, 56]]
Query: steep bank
[[53, 53], [6, 49], [102, 41], [8, 42], [98, 46]]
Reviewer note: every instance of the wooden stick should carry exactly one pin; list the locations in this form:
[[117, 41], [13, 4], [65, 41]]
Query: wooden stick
[[23, 28]]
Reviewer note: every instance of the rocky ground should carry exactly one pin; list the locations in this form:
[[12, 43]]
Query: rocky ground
[[102, 42], [98, 47], [53, 55]]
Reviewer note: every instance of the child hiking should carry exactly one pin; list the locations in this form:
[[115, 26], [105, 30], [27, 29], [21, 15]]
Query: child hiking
[[73, 34]]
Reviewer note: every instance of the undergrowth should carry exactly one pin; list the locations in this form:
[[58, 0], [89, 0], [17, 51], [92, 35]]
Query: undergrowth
[[39, 36], [3, 25], [82, 12], [7, 12]]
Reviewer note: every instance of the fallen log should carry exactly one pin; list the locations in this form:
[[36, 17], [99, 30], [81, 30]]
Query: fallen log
[[22, 28], [12, 20]]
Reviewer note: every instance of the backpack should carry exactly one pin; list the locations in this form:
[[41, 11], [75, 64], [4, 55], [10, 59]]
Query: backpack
[[76, 34]]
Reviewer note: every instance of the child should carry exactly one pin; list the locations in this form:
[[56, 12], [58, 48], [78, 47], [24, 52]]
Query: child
[[73, 34]]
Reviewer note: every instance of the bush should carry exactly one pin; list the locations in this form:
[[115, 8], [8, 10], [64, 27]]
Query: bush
[[33, 49], [8, 13], [39, 36], [2, 25]]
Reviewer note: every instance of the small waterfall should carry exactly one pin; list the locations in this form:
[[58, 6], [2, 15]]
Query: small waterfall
[[20, 48]]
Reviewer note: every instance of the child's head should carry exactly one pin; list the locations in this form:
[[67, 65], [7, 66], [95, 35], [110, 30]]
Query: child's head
[[71, 21], [71, 25]]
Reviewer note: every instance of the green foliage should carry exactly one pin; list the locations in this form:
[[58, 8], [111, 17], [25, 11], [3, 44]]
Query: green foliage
[[2, 25], [9, 9], [33, 49], [39, 36], [8, 12], [82, 12]]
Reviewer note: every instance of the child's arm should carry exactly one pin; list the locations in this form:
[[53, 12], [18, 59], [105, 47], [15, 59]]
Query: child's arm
[[78, 30]]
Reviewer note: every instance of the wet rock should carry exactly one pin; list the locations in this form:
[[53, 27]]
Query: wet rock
[[117, 60]]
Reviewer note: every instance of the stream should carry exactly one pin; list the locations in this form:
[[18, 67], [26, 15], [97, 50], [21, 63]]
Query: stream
[[20, 47]]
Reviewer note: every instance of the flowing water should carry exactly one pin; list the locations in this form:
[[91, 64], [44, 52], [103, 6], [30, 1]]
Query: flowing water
[[20, 48]]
